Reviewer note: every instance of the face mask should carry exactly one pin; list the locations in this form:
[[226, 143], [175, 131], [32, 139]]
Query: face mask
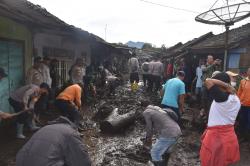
[[233, 84]]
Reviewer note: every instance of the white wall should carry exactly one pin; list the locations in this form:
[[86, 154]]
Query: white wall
[[47, 40]]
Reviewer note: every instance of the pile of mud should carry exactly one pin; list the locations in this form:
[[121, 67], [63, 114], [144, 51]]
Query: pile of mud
[[125, 148]]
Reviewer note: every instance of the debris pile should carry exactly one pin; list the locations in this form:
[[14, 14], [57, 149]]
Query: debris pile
[[125, 147]]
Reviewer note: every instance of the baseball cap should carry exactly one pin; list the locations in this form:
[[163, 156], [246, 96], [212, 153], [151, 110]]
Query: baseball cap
[[2, 72]]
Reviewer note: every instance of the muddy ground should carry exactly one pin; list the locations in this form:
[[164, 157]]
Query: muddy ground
[[125, 147]]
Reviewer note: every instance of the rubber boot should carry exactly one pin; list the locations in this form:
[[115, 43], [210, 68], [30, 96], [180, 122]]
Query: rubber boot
[[20, 131], [33, 126], [159, 163]]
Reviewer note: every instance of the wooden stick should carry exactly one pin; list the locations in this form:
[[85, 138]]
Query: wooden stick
[[19, 113]]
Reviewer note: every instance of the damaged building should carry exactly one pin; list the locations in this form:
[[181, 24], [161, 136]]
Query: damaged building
[[28, 30], [238, 48]]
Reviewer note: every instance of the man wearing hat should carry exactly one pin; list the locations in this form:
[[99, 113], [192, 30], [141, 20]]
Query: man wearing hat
[[235, 79], [3, 115]]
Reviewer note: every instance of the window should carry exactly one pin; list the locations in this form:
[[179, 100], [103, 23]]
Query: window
[[64, 58]]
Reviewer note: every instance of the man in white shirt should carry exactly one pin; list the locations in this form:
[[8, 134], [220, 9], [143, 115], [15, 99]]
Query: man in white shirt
[[150, 76], [198, 85], [34, 74], [145, 72], [46, 70], [78, 71], [157, 73]]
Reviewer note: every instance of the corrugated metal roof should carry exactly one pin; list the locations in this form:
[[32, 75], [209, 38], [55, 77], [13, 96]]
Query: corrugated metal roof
[[235, 37], [182, 48], [34, 15]]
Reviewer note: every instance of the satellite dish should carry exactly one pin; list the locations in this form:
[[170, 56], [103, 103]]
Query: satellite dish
[[228, 13], [225, 15]]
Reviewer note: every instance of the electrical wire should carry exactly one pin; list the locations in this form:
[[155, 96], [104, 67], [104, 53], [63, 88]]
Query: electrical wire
[[171, 7], [210, 8]]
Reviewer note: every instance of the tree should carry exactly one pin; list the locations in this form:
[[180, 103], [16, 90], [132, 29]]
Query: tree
[[147, 46]]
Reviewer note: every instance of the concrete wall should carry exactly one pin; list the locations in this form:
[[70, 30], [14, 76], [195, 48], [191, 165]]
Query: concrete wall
[[239, 59], [42, 40], [12, 30]]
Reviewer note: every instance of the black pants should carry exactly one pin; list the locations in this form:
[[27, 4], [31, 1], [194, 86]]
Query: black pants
[[68, 110], [156, 80], [18, 106], [145, 78], [154, 83], [244, 117], [134, 77], [42, 104], [206, 100]]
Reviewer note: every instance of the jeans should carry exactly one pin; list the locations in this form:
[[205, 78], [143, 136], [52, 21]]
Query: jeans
[[160, 147], [69, 111]]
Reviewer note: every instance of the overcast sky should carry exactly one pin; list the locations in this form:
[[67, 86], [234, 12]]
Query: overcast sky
[[136, 20]]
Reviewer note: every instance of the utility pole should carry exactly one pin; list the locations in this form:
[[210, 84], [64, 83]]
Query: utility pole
[[105, 32]]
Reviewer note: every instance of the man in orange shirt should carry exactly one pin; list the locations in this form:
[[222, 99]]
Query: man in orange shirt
[[244, 95], [69, 103]]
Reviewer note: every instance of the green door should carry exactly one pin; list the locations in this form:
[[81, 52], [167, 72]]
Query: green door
[[4, 83], [11, 59]]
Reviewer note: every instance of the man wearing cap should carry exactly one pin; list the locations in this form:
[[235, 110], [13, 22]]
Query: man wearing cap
[[235, 79], [173, 94], [3, 115], [164, 123], [244, 95]]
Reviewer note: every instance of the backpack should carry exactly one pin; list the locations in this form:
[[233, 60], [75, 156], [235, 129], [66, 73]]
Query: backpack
[[145, 67]]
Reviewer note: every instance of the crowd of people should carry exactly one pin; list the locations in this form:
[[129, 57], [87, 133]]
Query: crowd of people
[[222, 96]]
